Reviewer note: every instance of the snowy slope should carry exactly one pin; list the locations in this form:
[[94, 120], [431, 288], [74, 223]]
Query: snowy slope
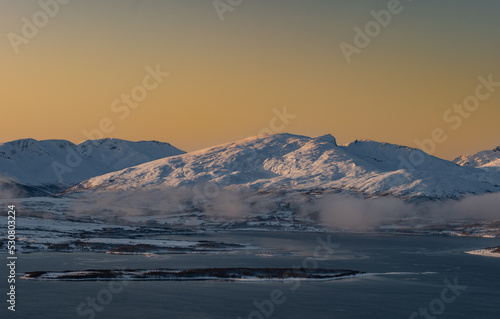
[[489, 158], [494, 163], [292, 162], [59, 162]]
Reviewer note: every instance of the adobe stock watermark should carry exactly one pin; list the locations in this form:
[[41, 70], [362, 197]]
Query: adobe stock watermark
[[438, 305], [121, 106], [372, 29], [266, 308], [455, 116], [223, 6], [278, 123], [31, 27], [92, 306]]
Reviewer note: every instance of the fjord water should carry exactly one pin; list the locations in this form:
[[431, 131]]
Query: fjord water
[[419, 268]]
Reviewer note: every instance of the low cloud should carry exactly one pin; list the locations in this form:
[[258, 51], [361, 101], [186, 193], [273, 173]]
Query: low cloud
[[352, 213], [345, 212], [336, 211], [9, 189], [480, 207]]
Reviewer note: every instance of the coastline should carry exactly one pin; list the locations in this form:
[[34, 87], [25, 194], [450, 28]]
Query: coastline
[[487, 252]]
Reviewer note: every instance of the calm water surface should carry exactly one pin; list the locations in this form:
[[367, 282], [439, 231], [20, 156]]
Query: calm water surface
[[382, 296]]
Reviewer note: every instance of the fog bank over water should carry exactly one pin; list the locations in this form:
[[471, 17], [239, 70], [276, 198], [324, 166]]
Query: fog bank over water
[[333, 210]]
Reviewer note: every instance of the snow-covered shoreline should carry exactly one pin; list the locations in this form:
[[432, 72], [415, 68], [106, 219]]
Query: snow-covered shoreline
[[488, 252], [213, 274]]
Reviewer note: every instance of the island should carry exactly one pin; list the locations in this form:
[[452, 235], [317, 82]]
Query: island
[[214, 274], [488, 252]]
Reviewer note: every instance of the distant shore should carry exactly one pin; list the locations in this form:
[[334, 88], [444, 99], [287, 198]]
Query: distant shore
[[223, 274], [488, 252]]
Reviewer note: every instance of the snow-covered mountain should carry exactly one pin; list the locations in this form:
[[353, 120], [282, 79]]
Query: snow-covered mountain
[[56, 164], [291, 162], [490, 158]]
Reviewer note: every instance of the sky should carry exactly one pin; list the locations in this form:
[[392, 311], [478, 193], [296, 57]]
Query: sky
[[202, 72]]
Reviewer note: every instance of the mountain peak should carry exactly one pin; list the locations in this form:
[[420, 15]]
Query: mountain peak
[[488, 158], [327, 138], [20, 142], [62, 163]]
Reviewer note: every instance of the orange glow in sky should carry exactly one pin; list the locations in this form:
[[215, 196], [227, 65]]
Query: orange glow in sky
[[91, 66]]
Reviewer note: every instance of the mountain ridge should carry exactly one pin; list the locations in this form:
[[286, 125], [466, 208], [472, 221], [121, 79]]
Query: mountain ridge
[[61, 163], [300, 163], [284, 162], [487, 158]]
